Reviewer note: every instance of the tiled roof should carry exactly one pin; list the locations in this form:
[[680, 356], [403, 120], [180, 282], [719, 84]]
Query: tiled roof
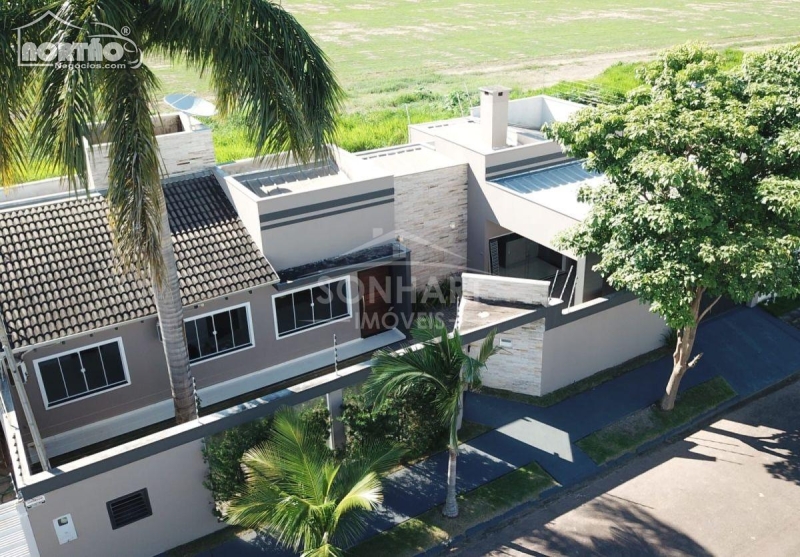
[[59, 275]]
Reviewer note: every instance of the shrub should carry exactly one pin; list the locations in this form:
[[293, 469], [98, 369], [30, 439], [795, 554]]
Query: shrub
[[406, 421], [223, 452]]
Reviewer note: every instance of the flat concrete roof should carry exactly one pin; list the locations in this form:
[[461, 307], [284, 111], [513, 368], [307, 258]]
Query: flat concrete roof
[[301, 177], [408, 159], [555, 187], [468, 133]]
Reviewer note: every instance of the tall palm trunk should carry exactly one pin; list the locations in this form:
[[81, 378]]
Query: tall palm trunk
[[170, 317], [451, 503]]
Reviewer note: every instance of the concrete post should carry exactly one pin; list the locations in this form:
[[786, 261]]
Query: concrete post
[[337, 437]]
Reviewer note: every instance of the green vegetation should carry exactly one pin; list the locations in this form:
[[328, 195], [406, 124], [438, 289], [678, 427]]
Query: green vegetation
[[307, 498], [580, 386], [440, 370], [633, 431], [701, 166], [781, 306], [383, 49], [482, 504]]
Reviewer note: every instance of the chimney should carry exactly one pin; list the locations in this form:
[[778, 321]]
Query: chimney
[[494, 115]]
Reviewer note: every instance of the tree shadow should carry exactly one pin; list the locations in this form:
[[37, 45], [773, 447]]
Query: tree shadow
[[783, 446], [632, 531]]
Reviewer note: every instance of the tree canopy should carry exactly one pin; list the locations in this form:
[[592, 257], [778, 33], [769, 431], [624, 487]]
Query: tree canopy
[[702, 190]]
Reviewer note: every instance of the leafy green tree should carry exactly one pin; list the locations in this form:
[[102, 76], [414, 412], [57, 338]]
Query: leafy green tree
[[702, 191], [299, 493], [261, 62], [440, 366]]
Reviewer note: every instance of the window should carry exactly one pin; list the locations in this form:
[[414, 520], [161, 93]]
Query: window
[[218, 333], [129, 508], [311, 307], [73, 375]]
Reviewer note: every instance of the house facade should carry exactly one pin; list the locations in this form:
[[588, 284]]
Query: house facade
[[285, 269]]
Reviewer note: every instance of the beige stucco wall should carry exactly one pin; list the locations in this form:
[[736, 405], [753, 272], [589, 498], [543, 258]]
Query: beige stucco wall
[[596, 342], [149, 381], [182, 508], [431, 217]]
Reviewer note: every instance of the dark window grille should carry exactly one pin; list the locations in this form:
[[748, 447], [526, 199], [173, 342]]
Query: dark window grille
[[311, 307], [217, 334], [129, 509], [82, 372]]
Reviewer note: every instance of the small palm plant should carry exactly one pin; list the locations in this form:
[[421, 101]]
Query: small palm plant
[[440, 365], [299, 493]]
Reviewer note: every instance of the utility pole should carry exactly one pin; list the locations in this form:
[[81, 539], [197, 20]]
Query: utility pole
[[23, 397]]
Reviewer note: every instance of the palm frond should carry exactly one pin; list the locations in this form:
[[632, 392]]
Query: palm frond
[[261, 63], [66, 97], [17, 86]]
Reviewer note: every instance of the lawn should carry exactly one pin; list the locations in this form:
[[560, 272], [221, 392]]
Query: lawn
[[383, 48], [484, 503], [781, 306], [636, 429]]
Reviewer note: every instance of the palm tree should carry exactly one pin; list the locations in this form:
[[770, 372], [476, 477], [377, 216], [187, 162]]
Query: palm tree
[[441, 365], [260, 62], [300, 494]]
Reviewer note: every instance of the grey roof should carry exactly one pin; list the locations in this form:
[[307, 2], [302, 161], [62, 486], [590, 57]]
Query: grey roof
[[59, 275], [555, 187]]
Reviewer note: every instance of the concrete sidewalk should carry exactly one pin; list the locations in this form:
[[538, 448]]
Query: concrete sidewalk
[[730, 488], [748, 347]]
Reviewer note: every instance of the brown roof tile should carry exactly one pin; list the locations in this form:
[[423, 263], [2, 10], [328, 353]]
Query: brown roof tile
[[59, 275]]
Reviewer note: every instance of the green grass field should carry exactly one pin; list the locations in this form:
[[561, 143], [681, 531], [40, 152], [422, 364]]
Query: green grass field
[[381, 48]]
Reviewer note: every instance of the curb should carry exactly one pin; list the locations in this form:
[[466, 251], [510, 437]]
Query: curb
[[556, 491]]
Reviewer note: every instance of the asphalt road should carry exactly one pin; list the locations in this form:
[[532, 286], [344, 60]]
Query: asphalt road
[[732, 488]]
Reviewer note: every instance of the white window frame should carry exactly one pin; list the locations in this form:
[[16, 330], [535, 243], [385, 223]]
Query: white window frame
[[49, 406], [252, 344], [282, 293]]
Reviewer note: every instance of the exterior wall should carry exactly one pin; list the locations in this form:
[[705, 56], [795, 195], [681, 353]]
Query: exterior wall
[[518, 367], [245, 203], [426, 205], [149, 383], [504, 289], [181, 153], [147, 400], [580, 348], [182, 508], [301, 227]]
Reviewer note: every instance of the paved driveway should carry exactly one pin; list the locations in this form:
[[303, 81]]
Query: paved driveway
[[730, 489]]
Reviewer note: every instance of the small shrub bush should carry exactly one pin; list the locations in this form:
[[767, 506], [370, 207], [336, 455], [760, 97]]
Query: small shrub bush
[[223, 452], [407, 421]]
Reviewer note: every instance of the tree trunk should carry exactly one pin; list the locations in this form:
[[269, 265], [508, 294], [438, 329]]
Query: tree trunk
[[170, 317], [680, 365], [451, 503], [683, 351]]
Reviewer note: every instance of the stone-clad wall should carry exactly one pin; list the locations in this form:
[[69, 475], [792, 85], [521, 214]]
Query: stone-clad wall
[[426, 205], [518, 367], [181, 153]]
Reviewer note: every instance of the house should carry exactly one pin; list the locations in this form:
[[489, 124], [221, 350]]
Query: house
[[278, 260]]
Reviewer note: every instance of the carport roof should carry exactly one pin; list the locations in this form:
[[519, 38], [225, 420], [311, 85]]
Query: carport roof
[[555, 187]]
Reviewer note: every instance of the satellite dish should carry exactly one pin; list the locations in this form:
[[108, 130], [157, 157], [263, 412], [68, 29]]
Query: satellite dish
[[191, 105]]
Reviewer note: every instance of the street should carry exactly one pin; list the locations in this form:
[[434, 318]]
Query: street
[[732, 488]]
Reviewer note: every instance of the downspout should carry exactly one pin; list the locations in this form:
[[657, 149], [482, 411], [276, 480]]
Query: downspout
[[23, 397]]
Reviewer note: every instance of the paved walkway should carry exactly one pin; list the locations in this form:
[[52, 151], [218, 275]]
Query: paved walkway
[[749, 348], [731, 488]]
